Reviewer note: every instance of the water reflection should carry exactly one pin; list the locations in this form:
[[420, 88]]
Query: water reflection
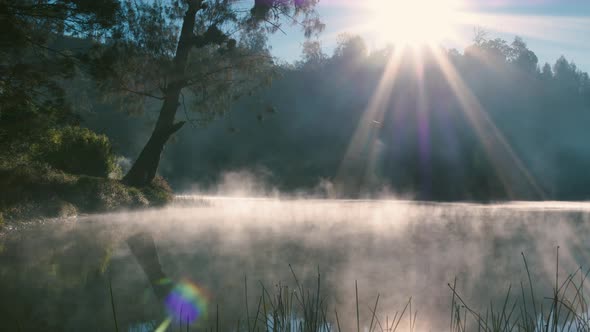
[[58, 276]]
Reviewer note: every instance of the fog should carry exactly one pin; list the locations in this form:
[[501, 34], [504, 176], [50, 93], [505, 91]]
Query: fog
[[59, 272], [363, 188]]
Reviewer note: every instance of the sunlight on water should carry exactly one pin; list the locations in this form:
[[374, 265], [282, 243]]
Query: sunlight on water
[[397, 249]]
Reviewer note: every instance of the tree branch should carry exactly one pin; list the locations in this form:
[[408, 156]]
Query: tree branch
[[141, 93], [176, 127]]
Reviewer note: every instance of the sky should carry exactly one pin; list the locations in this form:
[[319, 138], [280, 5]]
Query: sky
[[551, 28]]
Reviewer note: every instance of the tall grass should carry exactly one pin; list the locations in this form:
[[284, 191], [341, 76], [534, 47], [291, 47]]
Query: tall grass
[[567, 308], [299, 309]]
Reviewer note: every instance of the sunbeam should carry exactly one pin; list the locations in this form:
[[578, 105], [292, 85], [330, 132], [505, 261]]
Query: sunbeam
[[424, 147], [365, 137], [497, 148]]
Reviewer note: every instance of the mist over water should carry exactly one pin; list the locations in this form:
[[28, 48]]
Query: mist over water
[[57, 275]]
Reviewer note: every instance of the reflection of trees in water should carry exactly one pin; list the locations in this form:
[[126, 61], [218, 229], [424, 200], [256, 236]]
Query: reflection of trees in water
[[56, 277]]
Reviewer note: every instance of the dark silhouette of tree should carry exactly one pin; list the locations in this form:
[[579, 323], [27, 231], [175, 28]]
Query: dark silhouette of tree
[[33, 65], [208, 53], [546, 72], [522, 57]]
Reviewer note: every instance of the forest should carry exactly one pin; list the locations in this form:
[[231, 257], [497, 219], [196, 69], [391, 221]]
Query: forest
[[294, 134], [86, 85]]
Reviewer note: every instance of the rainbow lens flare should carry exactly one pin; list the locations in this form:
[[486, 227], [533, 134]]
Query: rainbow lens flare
[[186, 302]]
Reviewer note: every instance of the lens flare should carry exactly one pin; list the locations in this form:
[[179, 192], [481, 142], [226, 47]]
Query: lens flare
[[186, 302]]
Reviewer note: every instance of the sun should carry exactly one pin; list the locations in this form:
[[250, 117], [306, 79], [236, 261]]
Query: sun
[[414, 22]]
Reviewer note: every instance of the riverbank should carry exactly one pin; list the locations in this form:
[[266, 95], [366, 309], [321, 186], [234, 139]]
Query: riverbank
[[37, 191]]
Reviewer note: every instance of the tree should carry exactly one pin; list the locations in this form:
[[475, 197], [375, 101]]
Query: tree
[[522, 57], [546, 72], [312, 55], [565, 71], [207, 52], [32, 64], [350, 48]]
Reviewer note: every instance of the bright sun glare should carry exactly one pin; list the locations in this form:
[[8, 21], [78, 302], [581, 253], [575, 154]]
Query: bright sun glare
[[414, 22]]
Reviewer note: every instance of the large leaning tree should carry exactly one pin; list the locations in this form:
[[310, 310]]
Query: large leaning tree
[[191, 55]]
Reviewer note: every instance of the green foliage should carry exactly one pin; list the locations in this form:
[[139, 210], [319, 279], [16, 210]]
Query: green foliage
[[219, 69], [24, 123], [78, 150], [187, 48], [93, 194], [33, 190], [33, 64], [158, 193]]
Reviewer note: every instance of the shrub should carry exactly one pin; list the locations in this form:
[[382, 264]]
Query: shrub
[[158, 193], [79, 151], [93, 194]]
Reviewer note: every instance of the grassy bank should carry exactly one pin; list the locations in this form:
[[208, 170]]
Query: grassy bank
[[35, 190], [58, 169]]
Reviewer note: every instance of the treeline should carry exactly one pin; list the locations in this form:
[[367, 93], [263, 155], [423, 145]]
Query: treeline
[[432, 137], [296, 133]]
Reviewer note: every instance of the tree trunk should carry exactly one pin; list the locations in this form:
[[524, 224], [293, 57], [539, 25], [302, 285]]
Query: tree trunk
[[144, 250], [145, 167]]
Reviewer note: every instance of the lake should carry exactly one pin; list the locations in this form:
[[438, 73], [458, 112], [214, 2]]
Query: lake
[[59, 275]]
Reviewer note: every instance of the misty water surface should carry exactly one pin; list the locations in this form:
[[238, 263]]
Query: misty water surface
[[55, 275]]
